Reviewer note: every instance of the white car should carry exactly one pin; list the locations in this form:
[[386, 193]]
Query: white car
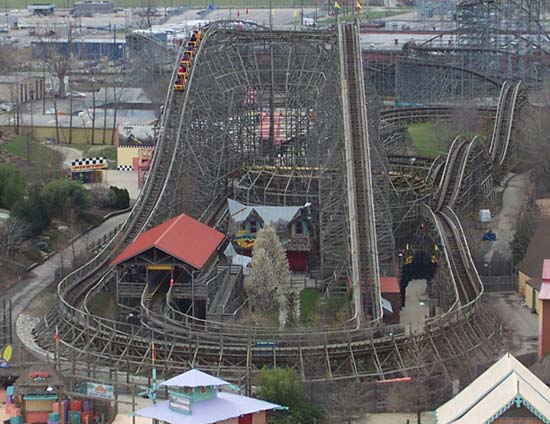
[[76, 94], [50, 112], [6, 107]]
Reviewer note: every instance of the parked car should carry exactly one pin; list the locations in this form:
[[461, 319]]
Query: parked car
[[76, 94], [7, 107]]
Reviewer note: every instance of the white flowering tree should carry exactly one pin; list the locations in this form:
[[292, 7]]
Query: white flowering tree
[[269, 271]]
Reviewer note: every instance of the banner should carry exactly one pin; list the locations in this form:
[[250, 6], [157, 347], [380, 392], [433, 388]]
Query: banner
[[103, 391]]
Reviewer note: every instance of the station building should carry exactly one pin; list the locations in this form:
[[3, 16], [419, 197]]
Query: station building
[[21, 88]]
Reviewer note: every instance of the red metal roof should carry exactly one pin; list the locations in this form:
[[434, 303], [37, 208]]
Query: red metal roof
[[182, 237], [389, 285]]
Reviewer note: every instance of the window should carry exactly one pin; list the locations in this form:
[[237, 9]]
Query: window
[[253, 227], [299, 228]]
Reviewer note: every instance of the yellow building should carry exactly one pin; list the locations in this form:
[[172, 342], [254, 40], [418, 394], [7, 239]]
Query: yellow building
[[532, 291], [127, 156]]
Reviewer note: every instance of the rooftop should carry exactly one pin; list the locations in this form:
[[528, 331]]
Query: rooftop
[[269, 214], [194, 378], [182, 237], [506, 384], [538, 250], [389, 285], [16, 77], [222, 407]]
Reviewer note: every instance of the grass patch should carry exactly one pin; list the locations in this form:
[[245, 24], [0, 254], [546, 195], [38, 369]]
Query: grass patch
[[103, 305], [39, 163], [309, 298], [107, 152], [427, 140]]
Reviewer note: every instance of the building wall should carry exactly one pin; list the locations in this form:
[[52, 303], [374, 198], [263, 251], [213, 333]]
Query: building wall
[[81, 49], [532, 298], [127, 154], [22, 91], [88, 9], [522, 281], [80, 135]]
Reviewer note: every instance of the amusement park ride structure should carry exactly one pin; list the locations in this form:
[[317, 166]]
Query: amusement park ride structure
[[322, 145]]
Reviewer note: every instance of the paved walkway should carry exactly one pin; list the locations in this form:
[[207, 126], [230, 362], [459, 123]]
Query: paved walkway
[[521, 325], [416, 306], [30, 295], [514, 197]]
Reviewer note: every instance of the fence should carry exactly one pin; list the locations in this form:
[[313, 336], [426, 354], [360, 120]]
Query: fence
[[95, 246], [499, 283]]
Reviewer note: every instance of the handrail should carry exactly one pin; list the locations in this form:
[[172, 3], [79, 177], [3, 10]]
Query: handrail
[[464, 246], [431, 214], [510, 122], [498, 119], [464, 163]]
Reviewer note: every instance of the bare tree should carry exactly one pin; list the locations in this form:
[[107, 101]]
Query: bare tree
[[12, 234]]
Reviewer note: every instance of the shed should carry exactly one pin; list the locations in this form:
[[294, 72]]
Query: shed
[[389, 289], [176, 255]]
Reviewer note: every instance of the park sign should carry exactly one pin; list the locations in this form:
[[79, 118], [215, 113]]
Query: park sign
[[179, 402], [102, 391], [88, 164]]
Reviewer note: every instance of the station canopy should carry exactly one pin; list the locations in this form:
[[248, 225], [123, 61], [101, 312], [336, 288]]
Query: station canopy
[[181, 237]]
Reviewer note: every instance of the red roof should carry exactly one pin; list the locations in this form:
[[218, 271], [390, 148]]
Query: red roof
[[182, 237], [389, 285]]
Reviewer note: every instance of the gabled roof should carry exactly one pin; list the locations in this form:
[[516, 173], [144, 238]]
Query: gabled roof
[[270, 214], [538, 250], [505, 384], [182, 237], [223, 407], [194, 378]]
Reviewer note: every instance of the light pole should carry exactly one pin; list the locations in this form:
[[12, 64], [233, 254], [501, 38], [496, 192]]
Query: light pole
[[270, 15]]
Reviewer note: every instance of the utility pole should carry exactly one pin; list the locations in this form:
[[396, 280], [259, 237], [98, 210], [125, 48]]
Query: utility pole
[[270, 15]]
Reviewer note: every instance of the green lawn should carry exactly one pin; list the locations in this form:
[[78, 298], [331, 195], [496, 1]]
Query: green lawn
[[426, 139], [309, 298], [26, 148], [103, 305], [40, 163]]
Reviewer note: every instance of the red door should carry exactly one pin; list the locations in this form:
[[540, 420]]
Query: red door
[[297, 261]]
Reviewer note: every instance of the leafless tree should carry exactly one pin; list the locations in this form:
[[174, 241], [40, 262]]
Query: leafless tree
[[12, 234], [58, 64]]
